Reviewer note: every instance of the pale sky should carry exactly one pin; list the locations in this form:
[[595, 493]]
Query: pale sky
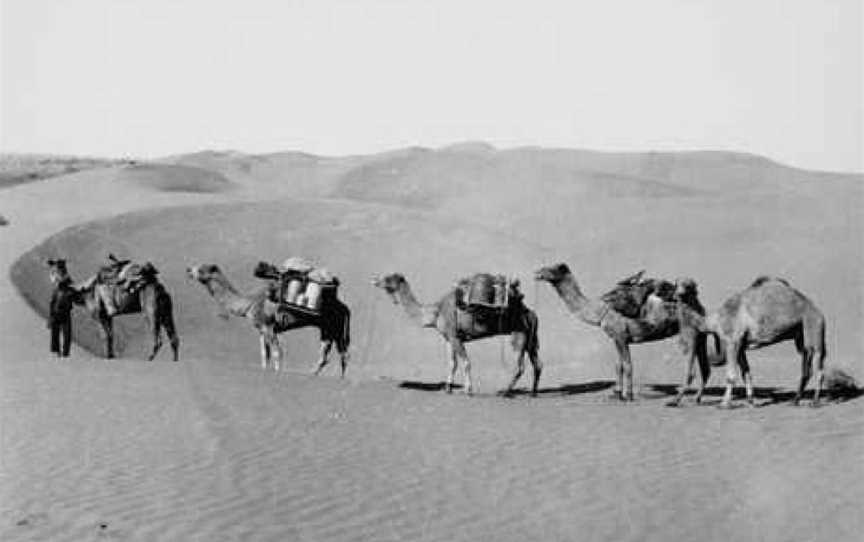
[[781, 78]]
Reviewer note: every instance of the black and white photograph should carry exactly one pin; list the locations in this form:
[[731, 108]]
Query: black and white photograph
[[433, 271]]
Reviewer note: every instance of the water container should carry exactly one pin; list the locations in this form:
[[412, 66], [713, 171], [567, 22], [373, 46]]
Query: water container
[[498, 288], [294, 287], [313, 295], [481, 290]]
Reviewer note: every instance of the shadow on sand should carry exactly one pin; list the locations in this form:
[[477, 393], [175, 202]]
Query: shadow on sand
[[559, 391], [770, 395], [767, 395]]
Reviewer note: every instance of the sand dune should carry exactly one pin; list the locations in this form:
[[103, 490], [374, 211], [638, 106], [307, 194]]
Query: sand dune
[[174, 178], [212, 448]]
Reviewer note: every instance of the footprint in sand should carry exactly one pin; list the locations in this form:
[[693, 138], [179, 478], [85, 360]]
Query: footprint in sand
[[32, 520]]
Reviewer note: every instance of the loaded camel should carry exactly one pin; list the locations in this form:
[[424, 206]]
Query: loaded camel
[[267, 317], [458, 327], [103, 301], [658, 322], [767, 312]]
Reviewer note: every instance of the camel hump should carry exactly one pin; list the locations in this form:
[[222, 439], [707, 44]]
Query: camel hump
[[765, 278], [267, 271], [630, 294], [632, 279]]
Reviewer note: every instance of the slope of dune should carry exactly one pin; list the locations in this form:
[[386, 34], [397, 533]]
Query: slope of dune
[[174, 178], [283, 173], [451, 176], [18, 168], [213, 448]]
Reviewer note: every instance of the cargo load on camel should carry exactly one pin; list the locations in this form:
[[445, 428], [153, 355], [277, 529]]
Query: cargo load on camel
[[118, 282], [299, 284], [487, 291], [631, 295]]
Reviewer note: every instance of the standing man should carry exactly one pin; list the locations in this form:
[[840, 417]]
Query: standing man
[[60, 308]]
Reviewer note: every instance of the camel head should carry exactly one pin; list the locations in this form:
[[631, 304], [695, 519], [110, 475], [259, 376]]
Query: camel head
[[685, 288], [203, 273], [57, 271], [552, 273], [390, 284]]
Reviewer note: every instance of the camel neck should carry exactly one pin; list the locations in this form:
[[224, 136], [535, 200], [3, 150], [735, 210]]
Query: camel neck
[[688, 317], [412, 307], [590, 312], [227, 296]]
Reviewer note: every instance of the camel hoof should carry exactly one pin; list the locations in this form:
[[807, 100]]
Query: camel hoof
[[816, 404], [725, 405], [674, 403], [616, 397]]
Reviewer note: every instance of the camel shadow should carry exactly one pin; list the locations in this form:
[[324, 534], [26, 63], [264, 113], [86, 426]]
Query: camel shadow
[[770, 395], [426, 386], [558, 391]]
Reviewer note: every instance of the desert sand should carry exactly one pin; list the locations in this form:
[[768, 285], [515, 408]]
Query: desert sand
[[214, 448]]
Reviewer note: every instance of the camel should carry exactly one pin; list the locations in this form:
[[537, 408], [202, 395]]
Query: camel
[[767, 312], [270, 320], [458, 327], [658, 323], [150, 298]]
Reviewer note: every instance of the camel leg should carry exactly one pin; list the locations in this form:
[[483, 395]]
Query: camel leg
[[537, 365], [623, 351], [265, 351], [689, 352], [108, 332], [704, 365], [171, 331], [625, 371], [731, 356], [520, 367], [343, 361], [323, 355], [819, 356], [461, 352], [806, 367], [275, 351], [451, 351], [156, 331], [746, 376], [628, 377], [813, 333]]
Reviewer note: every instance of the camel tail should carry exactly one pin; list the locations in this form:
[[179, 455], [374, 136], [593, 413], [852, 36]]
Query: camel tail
[[717, 356], [823, 351], [345, 338], [533, 325]]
